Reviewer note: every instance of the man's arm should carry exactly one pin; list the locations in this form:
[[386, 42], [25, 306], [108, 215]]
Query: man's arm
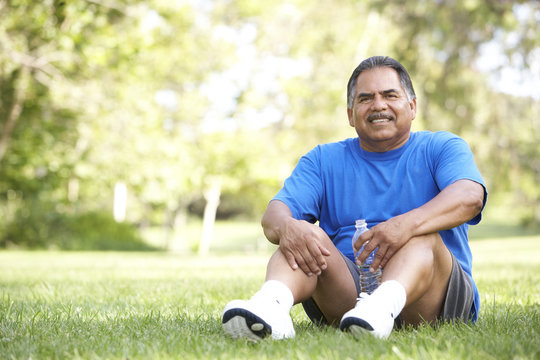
[[298, 240], [453, 206]]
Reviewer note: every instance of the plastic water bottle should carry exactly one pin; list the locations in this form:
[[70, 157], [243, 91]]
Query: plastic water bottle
[[369, 281]]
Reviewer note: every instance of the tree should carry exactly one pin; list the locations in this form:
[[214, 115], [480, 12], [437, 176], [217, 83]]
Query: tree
[[174, 99], [444, 51]]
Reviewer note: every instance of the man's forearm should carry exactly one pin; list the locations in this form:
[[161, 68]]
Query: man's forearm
[[275, 216], [455, 205]]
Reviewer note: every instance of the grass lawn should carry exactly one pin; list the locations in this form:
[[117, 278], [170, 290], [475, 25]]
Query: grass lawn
[[164, 305]]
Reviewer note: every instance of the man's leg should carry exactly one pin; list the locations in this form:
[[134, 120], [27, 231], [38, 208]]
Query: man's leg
[[414, 283], [333, 290], [423, 267]]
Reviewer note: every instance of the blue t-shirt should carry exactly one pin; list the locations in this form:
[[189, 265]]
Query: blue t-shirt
[[338, 183]]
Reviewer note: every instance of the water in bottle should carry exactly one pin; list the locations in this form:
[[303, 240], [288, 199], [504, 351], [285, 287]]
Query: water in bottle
[[369, 281]]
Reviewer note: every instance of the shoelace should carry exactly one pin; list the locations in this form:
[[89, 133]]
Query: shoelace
[[361, 296]]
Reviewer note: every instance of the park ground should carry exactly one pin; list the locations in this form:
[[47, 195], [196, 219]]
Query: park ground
[[140, 305]]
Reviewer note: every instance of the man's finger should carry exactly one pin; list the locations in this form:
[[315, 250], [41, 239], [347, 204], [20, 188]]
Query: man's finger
[[368, 249], [362, 239], [377, 259], [319, 262], [324, 251], [312, 264], [389, 253], [304, 266], [291, 260]]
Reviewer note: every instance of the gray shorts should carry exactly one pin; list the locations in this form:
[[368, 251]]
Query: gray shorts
[[457, 305]]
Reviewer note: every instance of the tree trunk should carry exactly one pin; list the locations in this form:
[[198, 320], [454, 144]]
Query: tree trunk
[[211, 196], [120, 201], [15, 109]]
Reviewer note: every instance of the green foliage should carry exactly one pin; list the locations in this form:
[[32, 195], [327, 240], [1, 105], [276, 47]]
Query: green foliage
[[442, 52], [41, 226], [164, 306], [165, 96]]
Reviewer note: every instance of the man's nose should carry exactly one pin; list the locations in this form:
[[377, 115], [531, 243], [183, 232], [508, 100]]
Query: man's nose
[[379, 103]]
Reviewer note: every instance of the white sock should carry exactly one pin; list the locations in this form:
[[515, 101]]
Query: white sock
[[391, 292], [278, 291]]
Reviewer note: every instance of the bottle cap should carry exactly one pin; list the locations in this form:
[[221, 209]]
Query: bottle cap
[[360, 222]]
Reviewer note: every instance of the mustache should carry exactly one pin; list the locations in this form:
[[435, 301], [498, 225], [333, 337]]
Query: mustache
[[378, 116]]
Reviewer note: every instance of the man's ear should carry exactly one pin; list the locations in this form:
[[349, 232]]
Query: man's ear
[[349, 114], [412, 104]]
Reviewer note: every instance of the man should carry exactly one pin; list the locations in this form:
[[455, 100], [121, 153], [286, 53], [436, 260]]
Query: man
[[418, 191]]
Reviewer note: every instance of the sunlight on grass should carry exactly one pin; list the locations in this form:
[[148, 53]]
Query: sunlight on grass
[[164, 305], [508, 270], [229, 237]]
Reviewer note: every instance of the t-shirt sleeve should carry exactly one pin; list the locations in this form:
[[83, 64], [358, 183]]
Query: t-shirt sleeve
[[302, 191], [455, 162]]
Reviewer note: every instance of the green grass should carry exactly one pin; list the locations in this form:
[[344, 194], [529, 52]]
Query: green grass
[[161, 305], [229, 237]]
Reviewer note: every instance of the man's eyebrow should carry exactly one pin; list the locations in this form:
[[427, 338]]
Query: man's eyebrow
[[364, 95], [368, 94]]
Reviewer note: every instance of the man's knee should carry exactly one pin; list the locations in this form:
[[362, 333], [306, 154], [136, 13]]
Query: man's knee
[[427, 288], [418, 252], [429, 241], [429, 249]]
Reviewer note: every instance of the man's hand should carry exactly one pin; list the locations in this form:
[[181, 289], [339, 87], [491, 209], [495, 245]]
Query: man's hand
[[454, 205], [388, 236], [302, 244]]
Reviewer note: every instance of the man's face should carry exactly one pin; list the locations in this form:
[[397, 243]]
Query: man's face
[[381, 112]]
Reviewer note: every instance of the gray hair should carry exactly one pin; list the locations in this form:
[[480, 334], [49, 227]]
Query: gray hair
[[380, 61]]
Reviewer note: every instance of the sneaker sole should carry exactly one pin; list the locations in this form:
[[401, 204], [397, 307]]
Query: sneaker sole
[[356, 326], [241, 323]]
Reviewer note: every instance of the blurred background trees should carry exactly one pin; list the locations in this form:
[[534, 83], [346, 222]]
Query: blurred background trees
[[118, 118]]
